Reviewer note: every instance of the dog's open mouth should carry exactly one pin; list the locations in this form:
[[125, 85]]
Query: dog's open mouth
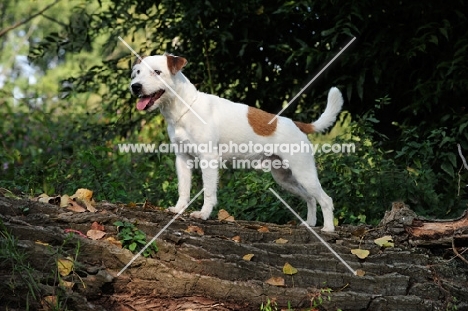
[[146, 101]]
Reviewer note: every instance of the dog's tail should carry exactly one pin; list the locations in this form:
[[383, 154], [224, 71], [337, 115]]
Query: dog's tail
[[328, 117]]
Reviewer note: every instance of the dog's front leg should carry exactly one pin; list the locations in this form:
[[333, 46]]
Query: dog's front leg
[[210, 166], [184, 176]]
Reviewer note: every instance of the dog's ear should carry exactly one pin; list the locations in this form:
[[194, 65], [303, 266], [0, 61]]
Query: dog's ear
[[138, 60], [175, 63]]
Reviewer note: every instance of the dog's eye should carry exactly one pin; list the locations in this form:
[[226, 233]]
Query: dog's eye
[[138, 72], [158, 72]]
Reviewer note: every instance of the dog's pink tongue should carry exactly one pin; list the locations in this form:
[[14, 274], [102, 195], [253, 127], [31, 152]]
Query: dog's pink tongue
[[142, 102]]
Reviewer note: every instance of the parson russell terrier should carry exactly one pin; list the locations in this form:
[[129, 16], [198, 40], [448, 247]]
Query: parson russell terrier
[[229, 123]]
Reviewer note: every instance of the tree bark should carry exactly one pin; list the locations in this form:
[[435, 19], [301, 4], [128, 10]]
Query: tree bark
[[204, 269]]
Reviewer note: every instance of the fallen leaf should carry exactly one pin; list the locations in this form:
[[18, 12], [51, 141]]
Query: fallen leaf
[[359, 232], [84, 194], [360, 272], [64, 199], [361, 253], [96, 226], [132, 205], [75, 207], [66, 284], [288, 269], [49, 302], [276, 281], [42, 243], [65, 266], [248, 257], [85, 197], [44, 198], [112, 240], [263, 229], [195, 229], [224, 215], [281, 241], [95, 234], [8, 194], [385, 241], [236, 239]]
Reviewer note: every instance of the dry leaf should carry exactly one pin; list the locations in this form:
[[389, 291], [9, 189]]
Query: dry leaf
[[42, 243], [385, 241], [75, 207], [276, 281], [44, 198], [49, 302], [281, 241], [248, 257], [263, 229], [195, 229], [8, 194], [288, 269], [65, 266], [361, 253], [83, 194], [224, 215], [112, 240], [236, 239], [96, 226], [360, 272], [132, 205], [85, 197], [95, 234], [359, 232], [66, 284], [64, 199]]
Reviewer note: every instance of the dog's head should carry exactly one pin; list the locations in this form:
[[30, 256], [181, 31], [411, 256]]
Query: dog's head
[[152, 76]]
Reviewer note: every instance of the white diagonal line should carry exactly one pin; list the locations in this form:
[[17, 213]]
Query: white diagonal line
[[313, 79], [315, 233], [159, 233], [162, 80]]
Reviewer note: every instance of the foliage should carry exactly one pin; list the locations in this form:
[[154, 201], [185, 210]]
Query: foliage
[[134, 239], [71, 105]]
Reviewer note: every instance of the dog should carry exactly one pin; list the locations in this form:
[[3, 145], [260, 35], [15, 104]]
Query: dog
[[159, 83]]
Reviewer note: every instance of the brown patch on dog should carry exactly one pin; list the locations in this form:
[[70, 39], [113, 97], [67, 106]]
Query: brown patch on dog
[[306, 128], [175, 63], [138, 60], [258, 120]]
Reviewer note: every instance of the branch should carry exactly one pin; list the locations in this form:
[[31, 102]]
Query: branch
[[24, 21], [462, 157]]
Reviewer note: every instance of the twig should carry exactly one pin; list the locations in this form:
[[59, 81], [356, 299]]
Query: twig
[[24, 21], [462, 157], [456, 252]]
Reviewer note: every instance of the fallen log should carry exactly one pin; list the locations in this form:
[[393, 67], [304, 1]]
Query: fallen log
[[201, 265]]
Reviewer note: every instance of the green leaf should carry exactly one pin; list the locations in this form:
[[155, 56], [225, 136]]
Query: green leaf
[[448, 168], [132, 246]]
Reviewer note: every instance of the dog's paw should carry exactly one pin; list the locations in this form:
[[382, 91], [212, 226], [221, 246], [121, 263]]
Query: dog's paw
[[200, 215], [328, 229], [174, 209]]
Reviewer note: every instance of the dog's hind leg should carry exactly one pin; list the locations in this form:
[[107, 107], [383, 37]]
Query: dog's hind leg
[[309, 181], [184, 176], [305, 183], [286, 180]]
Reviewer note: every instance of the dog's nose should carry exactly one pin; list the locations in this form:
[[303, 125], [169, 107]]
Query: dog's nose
[[136, 88]]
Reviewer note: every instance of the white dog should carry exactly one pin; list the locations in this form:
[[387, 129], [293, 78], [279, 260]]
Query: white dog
[[159, 82]]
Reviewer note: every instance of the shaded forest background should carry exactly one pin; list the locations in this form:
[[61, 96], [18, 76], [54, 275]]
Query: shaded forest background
[[65, 103]]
